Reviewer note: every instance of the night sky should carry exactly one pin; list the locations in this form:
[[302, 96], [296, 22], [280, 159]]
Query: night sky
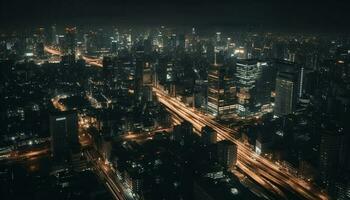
[[263, 13]]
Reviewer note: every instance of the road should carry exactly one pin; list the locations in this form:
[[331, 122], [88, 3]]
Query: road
[[108, 175], [261, 170], [144, 136], [91, 61]]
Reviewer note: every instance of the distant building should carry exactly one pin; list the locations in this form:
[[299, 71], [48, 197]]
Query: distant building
[[143, 74], [114, 47], [286, 93], [109, 72], [227, 153], [64, 135], [70, 41]]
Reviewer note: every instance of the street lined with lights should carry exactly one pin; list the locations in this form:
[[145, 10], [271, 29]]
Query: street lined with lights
[[260, 169]]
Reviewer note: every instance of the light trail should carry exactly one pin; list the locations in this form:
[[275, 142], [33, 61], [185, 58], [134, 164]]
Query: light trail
[[260, 169], [104, 174], [91, 61]]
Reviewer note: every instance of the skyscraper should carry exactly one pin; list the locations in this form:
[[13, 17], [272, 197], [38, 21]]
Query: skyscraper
[[286, 93], [253, 85], [53, 35], [64, 135], [288, 86], [70, 41], [331, 146], [139, 69], [108, 72], [221, 90]]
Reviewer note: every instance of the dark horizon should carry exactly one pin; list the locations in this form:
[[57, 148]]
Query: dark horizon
[[270, 15]]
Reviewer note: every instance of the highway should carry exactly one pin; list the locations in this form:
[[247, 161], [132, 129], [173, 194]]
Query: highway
[[107, 174], [261, 170], [91, 61], [103, 170]]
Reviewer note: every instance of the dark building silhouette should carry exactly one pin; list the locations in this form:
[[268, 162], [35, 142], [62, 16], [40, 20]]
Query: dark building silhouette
[[209, 136], [64, 135], [227, 153]]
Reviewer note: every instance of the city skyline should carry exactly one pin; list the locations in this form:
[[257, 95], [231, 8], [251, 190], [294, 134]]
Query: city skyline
[[131, 100]]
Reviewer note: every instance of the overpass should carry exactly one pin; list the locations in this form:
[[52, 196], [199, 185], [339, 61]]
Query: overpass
[[263, 171]]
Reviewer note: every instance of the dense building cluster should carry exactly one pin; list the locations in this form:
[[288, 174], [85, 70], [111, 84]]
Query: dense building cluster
[[83, 99]]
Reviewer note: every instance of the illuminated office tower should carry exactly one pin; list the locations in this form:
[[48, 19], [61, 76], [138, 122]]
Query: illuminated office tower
[[70, 41], [253, 85], [143, 71], [221, 90], [286, 93], [64, 135]]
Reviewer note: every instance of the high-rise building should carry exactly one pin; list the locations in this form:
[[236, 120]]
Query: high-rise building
[[227, 153], [286, 93], [209, 136], [139, 69], [70, 41], [90, 42], [288, 86], [221, 90], [254, 86], [53, 35], [64, 135], [331, 146], [108, 72]]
